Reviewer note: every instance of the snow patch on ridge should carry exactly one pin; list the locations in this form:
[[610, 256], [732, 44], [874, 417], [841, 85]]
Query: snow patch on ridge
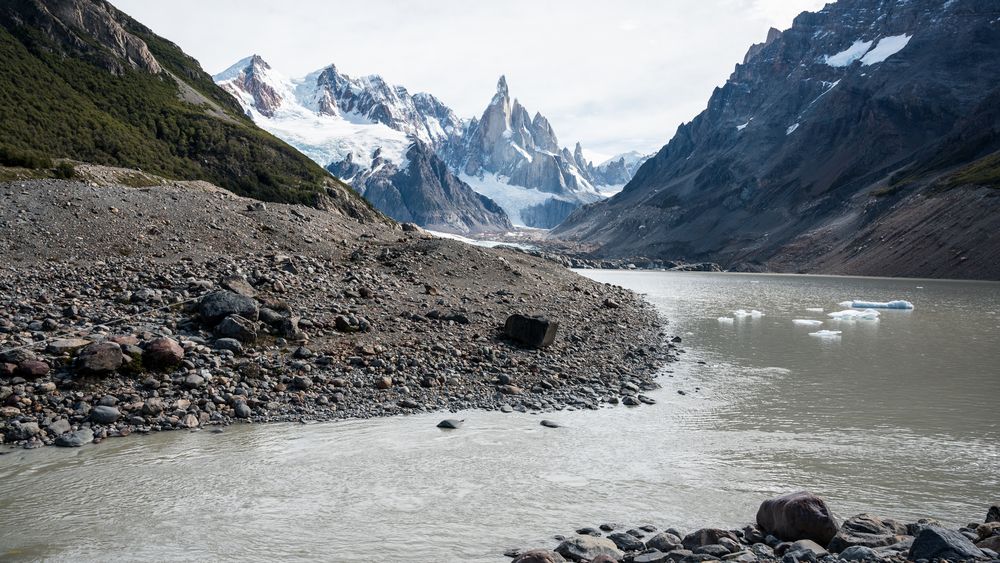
[[886, 47], [849, 55]]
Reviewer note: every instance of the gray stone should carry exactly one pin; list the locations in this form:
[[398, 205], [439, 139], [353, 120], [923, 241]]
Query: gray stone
[[713, 549], [586, 548], [66, 345], [242, 410], [103, 414], [858, 553], [652, 556], [549, 424], [664, 541], [153, 406], [450, 423], [867, 530], [75, 439], [935, 542], [220, 304], [539, 556], [237, 327], [100, 357], [231, 344], [706, 536], [626, 542], [58, 427]]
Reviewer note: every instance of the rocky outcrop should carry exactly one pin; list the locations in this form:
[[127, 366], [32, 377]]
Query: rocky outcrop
[[425, 192], [548, 214], [836, 143]]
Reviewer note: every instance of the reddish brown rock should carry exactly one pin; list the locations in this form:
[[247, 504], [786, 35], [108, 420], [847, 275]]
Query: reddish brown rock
[[32, 369], [162, 353], [798, 516]]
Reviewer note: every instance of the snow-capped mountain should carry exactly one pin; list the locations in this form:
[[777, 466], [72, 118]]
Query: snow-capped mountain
[[860, 140], [505, 155], [366, 132]]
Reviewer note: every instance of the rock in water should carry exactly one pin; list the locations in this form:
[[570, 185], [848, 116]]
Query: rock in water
[[935, 542], [549, 424], [586, 548], [450, 423], [104, 414], [75, 439], [797, 516], [533, 332], [100, 357], [539, 556], [220, 304], [162, 353]]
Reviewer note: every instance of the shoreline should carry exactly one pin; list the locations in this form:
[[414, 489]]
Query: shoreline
[[329, 319], [791, 528]]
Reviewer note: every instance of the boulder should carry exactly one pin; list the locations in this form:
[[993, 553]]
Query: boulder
[[987, 530], [230, 344], [58, 427], [664, 541], [220, 304], [104, 414], [626, 542], [75, 439], [450, 423], [867, 530], [586, 548], [242, 410], [798, 516], [32, 369], [993, 514], [935, 542], [237, 327], [807, 545], [539, 556], [651, 556], [100, 357], [153, 406], [66, 345], [532, 332], [162, 353], [713, 549], [706, 536], [992, 543], [239, 285]]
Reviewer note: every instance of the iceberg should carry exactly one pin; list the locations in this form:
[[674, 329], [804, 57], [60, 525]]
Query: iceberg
[[807, 322], [855, 315], [814, 309], [726, 320], [752, 313], [826, 334], [899, 304]]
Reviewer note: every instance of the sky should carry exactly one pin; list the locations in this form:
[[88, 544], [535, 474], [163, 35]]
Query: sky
[[616, 76]]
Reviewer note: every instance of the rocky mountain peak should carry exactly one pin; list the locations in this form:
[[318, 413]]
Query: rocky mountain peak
[[502, 87], [252, 81]]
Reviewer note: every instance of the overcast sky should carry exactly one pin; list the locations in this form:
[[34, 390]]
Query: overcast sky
[[617, 76]]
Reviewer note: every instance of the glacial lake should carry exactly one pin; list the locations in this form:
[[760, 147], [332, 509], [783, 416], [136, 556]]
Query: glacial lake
[[897, 417]]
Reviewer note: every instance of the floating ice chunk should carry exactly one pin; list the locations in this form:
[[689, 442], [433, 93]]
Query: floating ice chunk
[[826, 334], [845, 304], [727, 320], [743, 313], [899, 304], [814, 309], [855, 315], [807, 322]]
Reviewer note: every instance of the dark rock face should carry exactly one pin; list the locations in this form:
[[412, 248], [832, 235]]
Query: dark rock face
[[426, 193], [533, 332], [798, 516], [548, 214], [936, 542], [805, 160]]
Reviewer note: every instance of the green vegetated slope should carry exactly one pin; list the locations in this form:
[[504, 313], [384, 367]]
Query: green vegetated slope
[[65, 93]]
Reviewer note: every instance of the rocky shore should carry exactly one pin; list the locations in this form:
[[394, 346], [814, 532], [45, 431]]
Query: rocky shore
[[793, 528], [181, 306]]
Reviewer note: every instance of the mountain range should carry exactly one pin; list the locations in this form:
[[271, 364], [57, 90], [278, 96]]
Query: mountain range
[[370, 133], [864, 139]]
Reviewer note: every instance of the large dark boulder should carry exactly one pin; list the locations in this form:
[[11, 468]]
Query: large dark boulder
[[539, 556], [798, 516], [533, 332], [220, 304], [867, 531], [935, 542], [162, 353], [238, 328], [993, 515]]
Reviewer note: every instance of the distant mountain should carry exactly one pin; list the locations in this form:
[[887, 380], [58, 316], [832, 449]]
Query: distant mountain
[[375, 136], [82, 80], [340, 122], [861, 140]]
